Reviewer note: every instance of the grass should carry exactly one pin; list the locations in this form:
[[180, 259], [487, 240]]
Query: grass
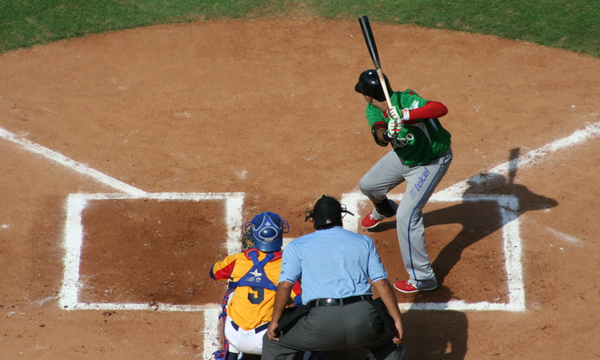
[[567, 24]]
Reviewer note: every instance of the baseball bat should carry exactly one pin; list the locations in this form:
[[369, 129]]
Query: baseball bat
[[370, 40]]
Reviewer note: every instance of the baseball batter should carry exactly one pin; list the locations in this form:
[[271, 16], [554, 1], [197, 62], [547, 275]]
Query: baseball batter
[[252, 275], [420, 155]]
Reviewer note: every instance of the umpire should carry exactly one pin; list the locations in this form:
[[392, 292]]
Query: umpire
[[334, 266]]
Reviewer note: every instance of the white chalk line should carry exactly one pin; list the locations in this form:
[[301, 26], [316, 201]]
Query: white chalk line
[[591, 131], [564, 237], [71, 279], [147, 307], [560, 235], [455, 305], [69, 294], [512, 248], [76, 203], [70, 163], [73, 242], [507, 210], [211, 331], [74, 232]]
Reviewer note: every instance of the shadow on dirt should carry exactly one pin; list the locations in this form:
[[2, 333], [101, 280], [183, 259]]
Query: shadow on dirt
[[479, 218], [435, 335], [429, 335]]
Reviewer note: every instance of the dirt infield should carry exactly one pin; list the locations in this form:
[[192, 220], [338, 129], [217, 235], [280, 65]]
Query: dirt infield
[[130, 160]]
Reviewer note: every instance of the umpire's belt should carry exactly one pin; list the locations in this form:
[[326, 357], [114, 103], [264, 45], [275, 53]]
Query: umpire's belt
[[256, 330], [342, 301]]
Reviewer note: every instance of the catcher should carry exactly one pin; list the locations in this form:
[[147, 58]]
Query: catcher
[[252, 274]]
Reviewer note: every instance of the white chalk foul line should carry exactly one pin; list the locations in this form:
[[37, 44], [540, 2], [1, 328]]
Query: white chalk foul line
[[579, 136], [70, 163]]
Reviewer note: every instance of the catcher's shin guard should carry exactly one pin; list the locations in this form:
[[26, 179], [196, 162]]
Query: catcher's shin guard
[[386, 208]]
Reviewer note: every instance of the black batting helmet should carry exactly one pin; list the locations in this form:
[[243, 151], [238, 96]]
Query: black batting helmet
[[369, 84]]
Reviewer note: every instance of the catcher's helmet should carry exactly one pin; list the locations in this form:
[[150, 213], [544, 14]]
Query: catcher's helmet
[[325, 211], [369, 84], [267, 230]]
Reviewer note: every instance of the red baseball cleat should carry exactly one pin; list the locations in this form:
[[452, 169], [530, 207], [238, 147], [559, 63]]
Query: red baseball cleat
[[369, 221], [407, 287]]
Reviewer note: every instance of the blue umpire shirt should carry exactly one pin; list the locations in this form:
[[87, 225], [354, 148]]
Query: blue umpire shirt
[[332, 263]]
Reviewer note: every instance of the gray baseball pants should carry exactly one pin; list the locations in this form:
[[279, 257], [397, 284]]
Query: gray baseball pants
[[421, 181], [327, 328]]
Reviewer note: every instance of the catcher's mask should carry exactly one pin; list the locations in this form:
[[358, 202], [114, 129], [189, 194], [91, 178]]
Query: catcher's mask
[[325, 211], [267, 230], [369, 84]]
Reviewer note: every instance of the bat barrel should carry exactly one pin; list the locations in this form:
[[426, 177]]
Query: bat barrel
[[370, 40]]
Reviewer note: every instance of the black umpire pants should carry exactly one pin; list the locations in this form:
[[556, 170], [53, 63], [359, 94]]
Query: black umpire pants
[[327, 328]]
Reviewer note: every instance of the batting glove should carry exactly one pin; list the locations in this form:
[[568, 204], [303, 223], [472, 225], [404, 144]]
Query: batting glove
[[394, 113], [394, 127]]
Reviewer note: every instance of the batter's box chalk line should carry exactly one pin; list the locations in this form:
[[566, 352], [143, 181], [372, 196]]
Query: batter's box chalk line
[[507, 206], [73, 242], [74, 236]]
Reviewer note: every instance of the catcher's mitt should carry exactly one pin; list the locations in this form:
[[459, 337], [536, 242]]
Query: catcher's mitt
[[247, 240]]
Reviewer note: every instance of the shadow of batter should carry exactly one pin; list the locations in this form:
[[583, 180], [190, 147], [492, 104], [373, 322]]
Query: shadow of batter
[[479, 218]]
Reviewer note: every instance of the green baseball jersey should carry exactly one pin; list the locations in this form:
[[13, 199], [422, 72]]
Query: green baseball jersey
[[418, 143]]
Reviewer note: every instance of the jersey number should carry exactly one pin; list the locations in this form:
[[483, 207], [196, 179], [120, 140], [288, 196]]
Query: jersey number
[[258, 297]]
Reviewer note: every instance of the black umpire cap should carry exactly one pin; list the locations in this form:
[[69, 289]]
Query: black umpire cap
[[325, 211]]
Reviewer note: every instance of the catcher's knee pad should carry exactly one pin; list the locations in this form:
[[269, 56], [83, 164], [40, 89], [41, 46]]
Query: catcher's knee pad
[[386, 208]]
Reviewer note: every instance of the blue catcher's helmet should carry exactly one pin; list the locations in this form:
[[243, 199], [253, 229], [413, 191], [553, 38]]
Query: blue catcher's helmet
[[267, 230]]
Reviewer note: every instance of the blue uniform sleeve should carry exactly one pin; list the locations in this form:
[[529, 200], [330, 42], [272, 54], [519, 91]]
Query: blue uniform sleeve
[[290, 265]]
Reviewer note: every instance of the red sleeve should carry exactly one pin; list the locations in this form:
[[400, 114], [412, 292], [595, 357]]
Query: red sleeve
[[297, 289], [432, 109], [278, 255], [222, 270]]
